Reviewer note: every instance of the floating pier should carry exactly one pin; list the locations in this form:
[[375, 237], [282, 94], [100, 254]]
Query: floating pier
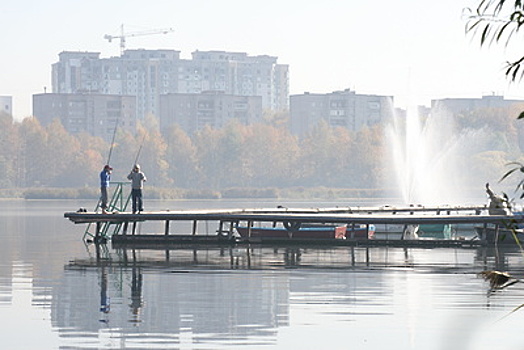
[[124, 224]]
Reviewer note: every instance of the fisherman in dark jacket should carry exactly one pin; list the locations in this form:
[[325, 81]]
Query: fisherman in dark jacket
[[137, 183], [105, 177]]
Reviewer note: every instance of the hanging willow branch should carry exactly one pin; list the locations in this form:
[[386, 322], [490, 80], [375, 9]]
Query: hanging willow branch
[[516, 167], [498, 21]]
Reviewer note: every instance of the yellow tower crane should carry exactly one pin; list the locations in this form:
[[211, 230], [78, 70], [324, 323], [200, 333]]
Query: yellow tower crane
[[123, 35]]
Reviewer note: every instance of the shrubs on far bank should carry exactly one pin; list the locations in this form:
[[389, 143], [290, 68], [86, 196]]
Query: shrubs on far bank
[[11, 193], [177, 193], [61, 193], [238, 192]]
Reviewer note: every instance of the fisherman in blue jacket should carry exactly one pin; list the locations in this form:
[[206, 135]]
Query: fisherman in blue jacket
[[105, 177]]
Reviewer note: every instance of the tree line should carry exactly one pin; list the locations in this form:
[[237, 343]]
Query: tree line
[[258, 156]]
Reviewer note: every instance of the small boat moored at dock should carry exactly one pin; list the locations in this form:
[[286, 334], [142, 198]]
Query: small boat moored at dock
[[309, 231]]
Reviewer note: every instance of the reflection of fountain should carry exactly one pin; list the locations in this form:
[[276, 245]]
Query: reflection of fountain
[[430, 158]]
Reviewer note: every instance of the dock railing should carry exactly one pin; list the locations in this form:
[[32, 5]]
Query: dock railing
[[117, 203]]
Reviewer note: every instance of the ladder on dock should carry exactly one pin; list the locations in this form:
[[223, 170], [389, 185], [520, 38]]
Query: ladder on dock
[[117, 203]]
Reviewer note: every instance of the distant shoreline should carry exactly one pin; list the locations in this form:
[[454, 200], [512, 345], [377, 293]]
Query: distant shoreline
[[177, 193]]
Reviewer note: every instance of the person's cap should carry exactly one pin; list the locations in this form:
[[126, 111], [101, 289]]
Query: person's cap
[[137, 166], [108, 167]]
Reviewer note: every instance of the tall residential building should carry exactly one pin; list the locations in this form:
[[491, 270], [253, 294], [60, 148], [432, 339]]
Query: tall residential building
[[194, 111], [339, 109], [148, 74], [6, 104], [96, 114]]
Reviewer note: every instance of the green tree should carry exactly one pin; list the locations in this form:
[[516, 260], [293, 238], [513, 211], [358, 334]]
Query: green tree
[[270, 156], [278, 119], [230, 153], [9, 151], [61, 151], [344, 161], [33, 157], [125, 150], [153, 152], [207, 142], [368, 156], [89, 160], [319, 150], [181, 156]]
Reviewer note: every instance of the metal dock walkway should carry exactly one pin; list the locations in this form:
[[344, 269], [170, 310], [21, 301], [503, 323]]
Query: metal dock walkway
[[226, 219]]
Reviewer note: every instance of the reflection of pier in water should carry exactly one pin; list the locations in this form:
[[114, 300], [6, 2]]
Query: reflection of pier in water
[[167, 295], [256, 257]]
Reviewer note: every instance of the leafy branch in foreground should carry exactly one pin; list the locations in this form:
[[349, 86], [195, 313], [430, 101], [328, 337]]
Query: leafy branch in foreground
[[498, 279], [495, 21], [518, 167]]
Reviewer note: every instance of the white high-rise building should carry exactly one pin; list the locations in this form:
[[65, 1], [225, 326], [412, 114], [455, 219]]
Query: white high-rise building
[[148, 74]]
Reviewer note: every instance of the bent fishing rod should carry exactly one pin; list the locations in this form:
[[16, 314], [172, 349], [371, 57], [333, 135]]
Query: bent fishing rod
[[112, 141], [140, 149]]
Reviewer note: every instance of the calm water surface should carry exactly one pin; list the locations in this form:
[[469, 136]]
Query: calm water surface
[[58, 293]]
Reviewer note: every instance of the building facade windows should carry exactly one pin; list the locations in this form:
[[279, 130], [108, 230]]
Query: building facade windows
[[78, 72]]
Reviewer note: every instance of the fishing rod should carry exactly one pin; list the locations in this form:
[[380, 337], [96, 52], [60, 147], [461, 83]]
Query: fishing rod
[[112, 141], [140, 148]]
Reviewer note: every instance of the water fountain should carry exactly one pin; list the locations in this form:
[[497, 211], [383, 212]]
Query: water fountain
[[429, 159]]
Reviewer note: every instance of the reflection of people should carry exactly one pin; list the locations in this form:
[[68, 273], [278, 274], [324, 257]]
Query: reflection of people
[[105, 305], [137, 183], [136, 291], [105, 177], [498, 205]]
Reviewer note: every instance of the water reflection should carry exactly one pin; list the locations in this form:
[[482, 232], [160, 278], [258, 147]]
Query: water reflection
[[66, 295], [246, 296]]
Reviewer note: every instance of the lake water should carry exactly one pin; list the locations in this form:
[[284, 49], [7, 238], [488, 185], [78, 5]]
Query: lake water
[[58, 293]]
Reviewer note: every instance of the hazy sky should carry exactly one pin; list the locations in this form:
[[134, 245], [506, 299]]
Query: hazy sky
[[414, 50]]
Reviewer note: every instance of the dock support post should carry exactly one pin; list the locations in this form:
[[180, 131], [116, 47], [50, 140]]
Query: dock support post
[[134, 227], [483, 235], [220, 226], [231, 225], [98, 229], [124, 230], [167, 228], [194, 227], [249, 226]]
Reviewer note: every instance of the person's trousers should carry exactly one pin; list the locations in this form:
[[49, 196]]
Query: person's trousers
[[136, 197], [103, 197]]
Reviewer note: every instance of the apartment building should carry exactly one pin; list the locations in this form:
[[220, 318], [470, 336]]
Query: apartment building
[[96, 114], [459, 105], [194, 111], [339, 109], [149, 74]]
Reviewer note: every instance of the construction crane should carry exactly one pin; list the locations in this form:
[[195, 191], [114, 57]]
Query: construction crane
[[124, 35]]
